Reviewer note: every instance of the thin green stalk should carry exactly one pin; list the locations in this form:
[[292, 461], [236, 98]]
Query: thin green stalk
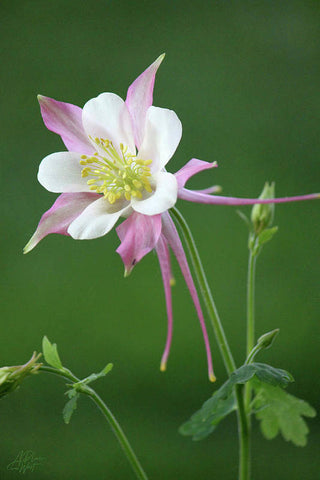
[[250, 320], [243, 430], [119, 433], [244, 433]]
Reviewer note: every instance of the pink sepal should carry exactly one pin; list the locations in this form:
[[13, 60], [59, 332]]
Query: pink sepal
[[65, 119], [139, 235], [191, 168], [198, 197], [165, 267], [140, 97], [172, 237], [57, 219]]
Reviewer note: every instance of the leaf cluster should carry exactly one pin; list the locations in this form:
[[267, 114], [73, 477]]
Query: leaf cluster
[[277, 410], [50, 353]]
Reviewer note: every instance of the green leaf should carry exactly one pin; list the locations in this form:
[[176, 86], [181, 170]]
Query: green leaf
[[50, 353], [274, 376], [267, 235], [265, 373], [278, 411], [94, 376], [70, 406], [205, 420]]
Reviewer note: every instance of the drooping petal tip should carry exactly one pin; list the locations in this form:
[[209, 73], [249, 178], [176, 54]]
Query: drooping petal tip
[[57, 219], [30, 245], [163, 366], [127, 271], [212, 377]]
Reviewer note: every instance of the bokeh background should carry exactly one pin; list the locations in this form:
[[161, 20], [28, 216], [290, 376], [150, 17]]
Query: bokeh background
[[243, 77]]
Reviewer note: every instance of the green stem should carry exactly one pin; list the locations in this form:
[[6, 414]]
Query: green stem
[[243, 430], [119, 433], [244, 433], [250, 320]]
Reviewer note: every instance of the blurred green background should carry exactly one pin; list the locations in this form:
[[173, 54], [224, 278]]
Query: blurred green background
[[243, 76]]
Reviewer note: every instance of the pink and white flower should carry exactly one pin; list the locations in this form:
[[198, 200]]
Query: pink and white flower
[[115, 167]]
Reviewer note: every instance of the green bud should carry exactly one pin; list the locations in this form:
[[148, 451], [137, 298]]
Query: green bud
[[266, 340], [262, 214], [11, 377]]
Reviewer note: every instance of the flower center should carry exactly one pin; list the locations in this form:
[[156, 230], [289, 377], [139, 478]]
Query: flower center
[[116, 175]]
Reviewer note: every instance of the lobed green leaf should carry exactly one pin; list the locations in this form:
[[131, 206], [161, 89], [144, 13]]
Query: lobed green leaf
[[280, 412], [50, 353], [70, 406]]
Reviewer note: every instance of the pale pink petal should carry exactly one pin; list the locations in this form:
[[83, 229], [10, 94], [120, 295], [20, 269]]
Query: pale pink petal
[[163, 132], [107, 117], [97, 219], [140, 97], [163, 198], [61, 172], [165, 266], [191, 168], [139, 235], [57, 219], [65, 119], [194, 196], [170, 233]]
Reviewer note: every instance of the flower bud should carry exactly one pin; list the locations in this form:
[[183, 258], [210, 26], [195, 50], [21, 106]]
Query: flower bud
[[11, 377], [262, 214], [266, 340]]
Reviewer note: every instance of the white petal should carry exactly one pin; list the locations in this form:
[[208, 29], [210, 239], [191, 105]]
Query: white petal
[[163, 132], [107, 116], [164, 197], [61, 172], [97, 219]]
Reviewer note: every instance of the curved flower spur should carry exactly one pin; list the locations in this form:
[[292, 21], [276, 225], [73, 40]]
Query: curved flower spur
[[115, 167]]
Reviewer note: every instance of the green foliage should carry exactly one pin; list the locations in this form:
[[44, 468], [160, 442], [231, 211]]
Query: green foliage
[[267, 235], [278, 411], [71, 405], [51, 356], [93, 377], [50, 353], [274, 376], [256, 241], [205, 420], [81, 387]]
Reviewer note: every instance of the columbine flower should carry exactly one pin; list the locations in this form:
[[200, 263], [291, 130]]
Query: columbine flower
[[115, 167]]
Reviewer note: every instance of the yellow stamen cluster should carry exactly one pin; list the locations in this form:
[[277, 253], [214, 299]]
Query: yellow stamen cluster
[[116, 174]]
